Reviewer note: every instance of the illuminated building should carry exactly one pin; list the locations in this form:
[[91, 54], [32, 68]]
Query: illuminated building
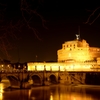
[[75, 55], [76, 62], [77, 50]]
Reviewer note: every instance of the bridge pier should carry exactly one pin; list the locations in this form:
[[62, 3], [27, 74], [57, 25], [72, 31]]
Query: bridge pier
[[72, 78], [24, 85], [19, 84]]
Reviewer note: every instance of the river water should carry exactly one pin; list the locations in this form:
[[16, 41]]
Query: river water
[[54, 92]]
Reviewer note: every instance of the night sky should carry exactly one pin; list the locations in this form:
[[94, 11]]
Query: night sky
[[62, 22]]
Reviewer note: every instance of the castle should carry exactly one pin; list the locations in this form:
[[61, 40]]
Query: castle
[[74, 55]]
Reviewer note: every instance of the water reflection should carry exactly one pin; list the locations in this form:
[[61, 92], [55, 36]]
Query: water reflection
[[2, 86], [1, 92], [54, 92]]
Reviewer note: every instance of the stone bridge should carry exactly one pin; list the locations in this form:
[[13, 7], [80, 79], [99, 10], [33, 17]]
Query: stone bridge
[[21, 79]]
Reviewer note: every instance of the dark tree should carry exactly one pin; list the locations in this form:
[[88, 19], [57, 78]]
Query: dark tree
[[16, 15], [94, 15]]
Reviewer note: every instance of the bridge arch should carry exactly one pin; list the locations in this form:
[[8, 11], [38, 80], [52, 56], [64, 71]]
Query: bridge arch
[[53, 79], [10, 79], [2, 77], [37, 79], [14, 80]]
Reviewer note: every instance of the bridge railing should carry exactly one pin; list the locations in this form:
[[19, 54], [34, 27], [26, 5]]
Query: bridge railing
[[67, 70]]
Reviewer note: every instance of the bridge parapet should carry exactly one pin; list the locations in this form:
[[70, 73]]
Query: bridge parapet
[[42, 77]]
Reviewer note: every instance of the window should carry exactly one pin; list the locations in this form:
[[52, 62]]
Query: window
[[64, 46]]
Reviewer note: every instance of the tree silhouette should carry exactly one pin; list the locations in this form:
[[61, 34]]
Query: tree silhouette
[[15, 15], [95, 14]]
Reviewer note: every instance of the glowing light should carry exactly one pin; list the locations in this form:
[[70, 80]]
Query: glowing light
[[1, 91], [1, 97], [51, 96], [73, 56]]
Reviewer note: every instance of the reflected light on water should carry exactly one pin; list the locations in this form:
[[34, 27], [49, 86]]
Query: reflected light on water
[[1, 91], [29, 93], [4, 83], [51, 96], [74, 98], [54, 92]]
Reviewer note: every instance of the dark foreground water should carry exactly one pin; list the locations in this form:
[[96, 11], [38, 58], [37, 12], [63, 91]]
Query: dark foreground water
[[54, 92]]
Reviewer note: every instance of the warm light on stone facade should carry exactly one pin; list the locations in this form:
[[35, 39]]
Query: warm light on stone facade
[[77, 50], [75, 55]]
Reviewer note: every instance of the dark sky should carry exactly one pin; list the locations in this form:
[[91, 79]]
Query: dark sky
[[62, 21]]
